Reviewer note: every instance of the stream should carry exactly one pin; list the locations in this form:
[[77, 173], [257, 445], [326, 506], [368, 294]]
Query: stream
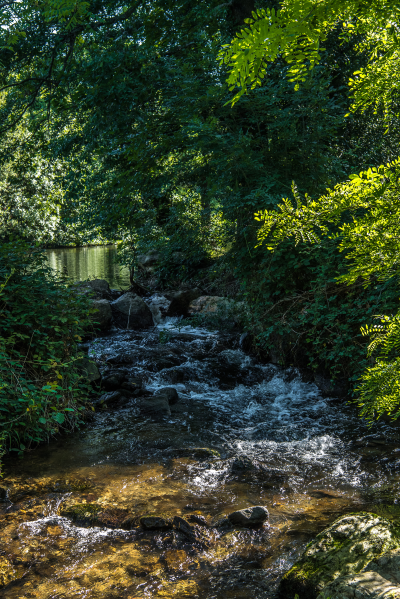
[[242, 434]]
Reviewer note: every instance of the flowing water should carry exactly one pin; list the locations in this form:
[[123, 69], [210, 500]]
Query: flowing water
[[242, 434]]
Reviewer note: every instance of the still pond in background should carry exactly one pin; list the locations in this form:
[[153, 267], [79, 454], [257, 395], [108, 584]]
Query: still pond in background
[[96, 262]]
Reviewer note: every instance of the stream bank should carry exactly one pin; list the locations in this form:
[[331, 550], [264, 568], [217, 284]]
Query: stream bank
[[137, 506]]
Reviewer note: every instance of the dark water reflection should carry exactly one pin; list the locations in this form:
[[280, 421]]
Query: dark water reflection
[[97, 262]]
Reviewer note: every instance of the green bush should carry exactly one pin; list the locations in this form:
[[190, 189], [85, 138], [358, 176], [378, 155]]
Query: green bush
[[302, 316], [41, 321]]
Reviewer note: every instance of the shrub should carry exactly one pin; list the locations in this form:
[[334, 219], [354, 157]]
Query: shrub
[[41, 321]]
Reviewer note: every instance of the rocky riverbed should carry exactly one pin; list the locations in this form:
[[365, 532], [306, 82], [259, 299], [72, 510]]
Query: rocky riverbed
[[204, 473]]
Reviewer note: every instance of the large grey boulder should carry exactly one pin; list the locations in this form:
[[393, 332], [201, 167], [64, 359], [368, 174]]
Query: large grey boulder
[[98, 288], [148, 262], [249, 516], [180, 302], [102, 318], [131, 312], [379, 580], [342, 549]]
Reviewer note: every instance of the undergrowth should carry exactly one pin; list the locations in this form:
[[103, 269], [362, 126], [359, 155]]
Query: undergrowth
[[42, 319]]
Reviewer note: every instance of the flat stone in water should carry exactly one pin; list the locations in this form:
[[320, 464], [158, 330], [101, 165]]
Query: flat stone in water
[[249, 516]]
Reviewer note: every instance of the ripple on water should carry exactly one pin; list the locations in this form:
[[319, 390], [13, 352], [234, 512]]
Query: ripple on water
[[242, 434]]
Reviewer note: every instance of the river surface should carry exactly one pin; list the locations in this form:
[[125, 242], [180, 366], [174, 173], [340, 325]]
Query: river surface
[[96, 262], [242, 434]]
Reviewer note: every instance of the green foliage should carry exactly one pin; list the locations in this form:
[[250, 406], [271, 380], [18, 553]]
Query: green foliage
[[369, 206], [41, 390], [135, 108], [380, 384], [119, 128], [295, 32], [366, 211], [299, 314], [362, 214]]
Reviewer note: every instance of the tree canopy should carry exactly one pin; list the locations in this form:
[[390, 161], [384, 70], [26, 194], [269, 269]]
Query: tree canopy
[[118, 124], [296, 32], [363, 212]]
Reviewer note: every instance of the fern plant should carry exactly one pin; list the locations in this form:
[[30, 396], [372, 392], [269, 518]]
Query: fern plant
[[379, 389]]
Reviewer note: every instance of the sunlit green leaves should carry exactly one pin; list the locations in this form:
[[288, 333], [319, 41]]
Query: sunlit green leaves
[[295, 33], [370, 203]]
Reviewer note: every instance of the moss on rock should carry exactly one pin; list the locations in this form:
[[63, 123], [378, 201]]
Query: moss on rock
[[344, 548], [82, 513], [93, 514], [7, 572]]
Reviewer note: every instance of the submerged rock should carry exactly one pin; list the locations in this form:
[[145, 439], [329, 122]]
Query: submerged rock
[[131, 312], [7, 572], [156, 408], [84, 514], [170, 394], [93, 514], [342, 549], [3, 493], [155, 522], [249, 516]]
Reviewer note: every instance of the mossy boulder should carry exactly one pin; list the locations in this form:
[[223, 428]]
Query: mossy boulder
[[342, 549], [380, 579]]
